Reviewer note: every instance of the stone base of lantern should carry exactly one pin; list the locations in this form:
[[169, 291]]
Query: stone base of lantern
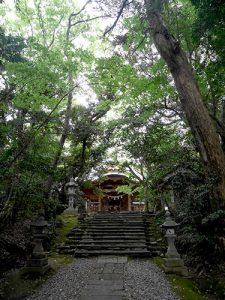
[[37, 270], [70, 211], [37, 265], [175, 266]]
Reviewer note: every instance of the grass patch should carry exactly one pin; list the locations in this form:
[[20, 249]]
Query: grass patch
[[158, 261], [184, 287], [57, 260], [68, 223]]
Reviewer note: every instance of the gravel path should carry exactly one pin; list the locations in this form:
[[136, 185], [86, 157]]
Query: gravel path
[[145, 281], [67, 283], [142, 281]]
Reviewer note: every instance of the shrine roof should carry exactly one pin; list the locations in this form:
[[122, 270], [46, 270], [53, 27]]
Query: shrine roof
[[114, 174]]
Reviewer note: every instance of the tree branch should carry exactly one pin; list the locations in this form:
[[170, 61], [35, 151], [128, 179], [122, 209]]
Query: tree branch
[[134, 173], [140, 43], [124, 4], [54, 31], [80, 11], [41, 23], [88, 20]]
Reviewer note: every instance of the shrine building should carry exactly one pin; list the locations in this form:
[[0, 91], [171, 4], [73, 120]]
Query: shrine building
[[102, 195]]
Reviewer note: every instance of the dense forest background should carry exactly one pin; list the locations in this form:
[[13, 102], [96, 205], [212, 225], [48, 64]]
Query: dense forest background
[[134, 84]]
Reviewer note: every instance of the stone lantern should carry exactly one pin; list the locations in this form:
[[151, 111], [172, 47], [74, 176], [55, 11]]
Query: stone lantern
[[173, 262], [71, 189], [38, 262]]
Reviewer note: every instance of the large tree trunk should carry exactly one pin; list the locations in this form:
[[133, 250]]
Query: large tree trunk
[[204, 133]]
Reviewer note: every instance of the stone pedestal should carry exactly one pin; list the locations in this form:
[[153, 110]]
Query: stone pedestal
[[70, 211], [175, 266], [37, 265]]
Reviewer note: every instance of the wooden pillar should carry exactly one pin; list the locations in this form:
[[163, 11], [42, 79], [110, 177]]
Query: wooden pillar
[[129, 203]]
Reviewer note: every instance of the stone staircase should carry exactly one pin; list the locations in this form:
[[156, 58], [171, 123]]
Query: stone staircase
[[114, 234], [74, 237], [120, 233]]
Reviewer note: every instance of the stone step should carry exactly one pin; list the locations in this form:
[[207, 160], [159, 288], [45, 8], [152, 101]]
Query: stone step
[[116, 229], [110, 241], [117, 222], [120, 233], [114, 237], [65, 249], [72, 235], [136, 219], [142, 253], [69, 251], [119, 227], [124, 227], [74, 243], [117, 218], [112, 246]]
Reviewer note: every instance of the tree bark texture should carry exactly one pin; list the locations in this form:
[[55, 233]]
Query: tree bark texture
[[204, 133]]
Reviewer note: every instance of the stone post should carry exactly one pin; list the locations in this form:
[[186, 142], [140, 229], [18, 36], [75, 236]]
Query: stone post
[[172, 262]]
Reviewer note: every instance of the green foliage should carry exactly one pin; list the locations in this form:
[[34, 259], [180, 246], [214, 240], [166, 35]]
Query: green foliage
[[214, 218], [40, 71], [11, 48], [68, 223], [98, 192], [128, 189]]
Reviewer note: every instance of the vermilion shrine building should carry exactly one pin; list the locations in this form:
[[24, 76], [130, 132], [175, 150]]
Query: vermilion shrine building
[[109, 199]]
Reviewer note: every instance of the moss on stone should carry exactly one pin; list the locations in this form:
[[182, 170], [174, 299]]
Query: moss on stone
[[68, 223]]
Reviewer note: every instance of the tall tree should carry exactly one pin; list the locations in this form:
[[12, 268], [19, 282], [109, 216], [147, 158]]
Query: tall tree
[[203, 130]]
